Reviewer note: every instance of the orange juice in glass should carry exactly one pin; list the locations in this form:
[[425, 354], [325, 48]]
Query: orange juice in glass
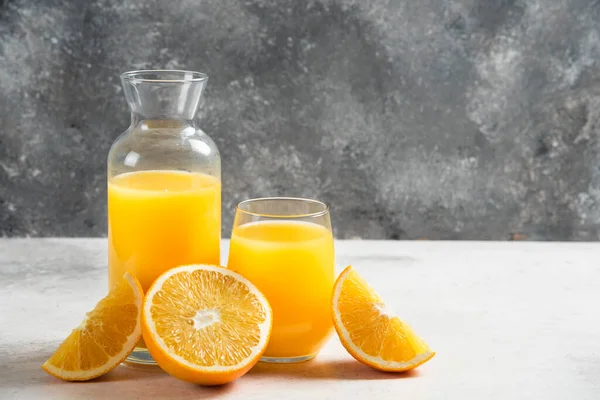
[[285, 247]]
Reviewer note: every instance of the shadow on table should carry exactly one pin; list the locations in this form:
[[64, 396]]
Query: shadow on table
[[24, 378], [338, 369], [22, 369]]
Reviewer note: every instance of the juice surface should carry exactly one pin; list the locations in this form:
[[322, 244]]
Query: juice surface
[[292, 263], [158, 220]]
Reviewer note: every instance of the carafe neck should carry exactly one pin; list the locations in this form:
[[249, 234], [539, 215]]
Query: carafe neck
[[163, 97]]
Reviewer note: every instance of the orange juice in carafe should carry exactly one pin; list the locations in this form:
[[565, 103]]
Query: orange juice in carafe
[[162, 219]]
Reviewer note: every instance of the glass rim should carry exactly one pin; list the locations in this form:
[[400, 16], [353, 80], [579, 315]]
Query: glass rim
[[324, 211], [137, 76]]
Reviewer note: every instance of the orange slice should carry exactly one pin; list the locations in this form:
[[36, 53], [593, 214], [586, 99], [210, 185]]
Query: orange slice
[[107, 335], [205, 324], [370, 331]]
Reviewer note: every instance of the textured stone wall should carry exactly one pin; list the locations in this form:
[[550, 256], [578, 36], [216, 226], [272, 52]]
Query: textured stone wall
[[445, 119]]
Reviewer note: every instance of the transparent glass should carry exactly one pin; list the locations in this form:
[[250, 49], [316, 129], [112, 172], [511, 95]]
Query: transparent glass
[[285, 247], [164, 183]]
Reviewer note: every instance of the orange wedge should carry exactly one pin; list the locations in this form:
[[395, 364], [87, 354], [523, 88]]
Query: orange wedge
[[205, 324], [107, 335], [370, 331]]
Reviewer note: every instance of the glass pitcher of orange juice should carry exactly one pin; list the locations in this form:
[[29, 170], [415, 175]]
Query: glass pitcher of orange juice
[[164, 183]]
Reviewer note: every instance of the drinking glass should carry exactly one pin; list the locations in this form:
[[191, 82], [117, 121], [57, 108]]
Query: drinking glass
[[284, 246]]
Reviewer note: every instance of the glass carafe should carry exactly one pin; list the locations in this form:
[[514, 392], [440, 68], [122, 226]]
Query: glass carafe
[[164, 183]]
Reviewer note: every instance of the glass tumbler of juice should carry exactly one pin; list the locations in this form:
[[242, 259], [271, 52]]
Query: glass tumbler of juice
[[164, 183], [285, 247]]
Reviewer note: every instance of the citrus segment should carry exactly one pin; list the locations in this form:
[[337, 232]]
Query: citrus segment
[[205, 324], [107, 335], [370, 331]]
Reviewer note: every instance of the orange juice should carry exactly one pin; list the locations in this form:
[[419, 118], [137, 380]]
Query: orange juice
[[158, 220], [292, 263]]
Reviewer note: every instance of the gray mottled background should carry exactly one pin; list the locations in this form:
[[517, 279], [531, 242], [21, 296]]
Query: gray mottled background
[[445, 119]]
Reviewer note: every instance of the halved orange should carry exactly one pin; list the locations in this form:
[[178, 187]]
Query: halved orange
[[368, 329], [105, 337], [205, 324]]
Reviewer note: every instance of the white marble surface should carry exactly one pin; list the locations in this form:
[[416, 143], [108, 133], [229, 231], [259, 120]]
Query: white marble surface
[[508, 321]]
